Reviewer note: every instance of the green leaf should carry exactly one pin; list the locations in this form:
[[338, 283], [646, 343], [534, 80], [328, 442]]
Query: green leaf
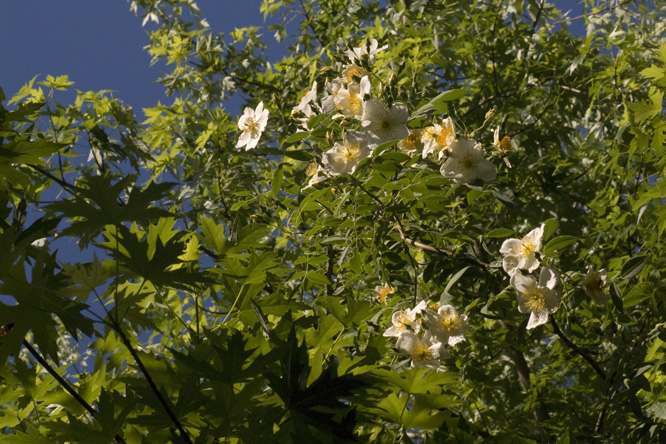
[[500, 233], [455, 279], [616, 297], [438, 103], [550, 226], [296, 137], [637, 294], [558, 243], [304, 155], [633, 266], [645, 111], [276, 183]]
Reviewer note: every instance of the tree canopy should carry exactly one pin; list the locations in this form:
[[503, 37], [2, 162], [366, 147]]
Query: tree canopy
[[433, 222]]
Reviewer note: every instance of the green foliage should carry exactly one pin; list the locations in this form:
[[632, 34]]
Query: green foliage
[[239, 296]]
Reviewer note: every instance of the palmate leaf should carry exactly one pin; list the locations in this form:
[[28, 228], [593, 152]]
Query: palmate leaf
[[98, 203], [28, 152], [319, 405], [150, 258]]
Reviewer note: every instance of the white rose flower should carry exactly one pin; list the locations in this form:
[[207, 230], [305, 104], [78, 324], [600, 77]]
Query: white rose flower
[[350, 100], [425, 352], [446, 324], [466, 163], [304, 104], [383, 125], [404, 319], [520, 254], [540, 299], [328, 102], [593, 284], [252, 123], [365, 52], [344, 157], [439, 137]]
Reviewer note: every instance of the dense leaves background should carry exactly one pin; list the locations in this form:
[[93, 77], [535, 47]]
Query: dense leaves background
[[225, 303]]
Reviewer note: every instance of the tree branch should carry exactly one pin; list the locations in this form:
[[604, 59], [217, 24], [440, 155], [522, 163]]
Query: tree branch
[[151, 383], [64, 384], [577, 349], [431, 249], [540, 410]]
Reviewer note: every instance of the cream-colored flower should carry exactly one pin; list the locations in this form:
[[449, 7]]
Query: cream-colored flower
[[466, 163], [252, 123], [593, 283], [502, 146], [439, 137], [412, 143], [352, 73], [384, 125], [540, 299], [425, 352], [304, 106], [366, 52], [344, 157], [317, 176], [381, 291], [446, 324], [520, 254], [328, 102], [403, 320], [350, 100]]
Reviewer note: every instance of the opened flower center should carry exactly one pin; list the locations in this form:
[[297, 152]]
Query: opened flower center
[[355, 103], [468, 162], [451, 323], [421, 353], [442, 136], [535, 300], [527, 248], [251, 125], [351, 152]]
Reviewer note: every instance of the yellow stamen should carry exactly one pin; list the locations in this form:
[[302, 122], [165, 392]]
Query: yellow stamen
[[355, 103], [527, 248], [442, 136], [504, 145], [421, 353], [451, 323], [350, 152], [468, 162], [535, 301]]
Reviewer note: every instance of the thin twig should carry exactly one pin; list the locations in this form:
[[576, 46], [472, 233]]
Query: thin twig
[[67, 186], [151, 383], [535, 23], [431, 249], [64, 384], [577, 349]]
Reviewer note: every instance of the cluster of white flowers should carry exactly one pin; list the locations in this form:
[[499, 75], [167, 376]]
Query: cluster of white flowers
[[540, 298], [349, 96], [440, 326]]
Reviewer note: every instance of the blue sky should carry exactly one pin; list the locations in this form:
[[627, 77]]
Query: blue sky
[[99, 44]]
